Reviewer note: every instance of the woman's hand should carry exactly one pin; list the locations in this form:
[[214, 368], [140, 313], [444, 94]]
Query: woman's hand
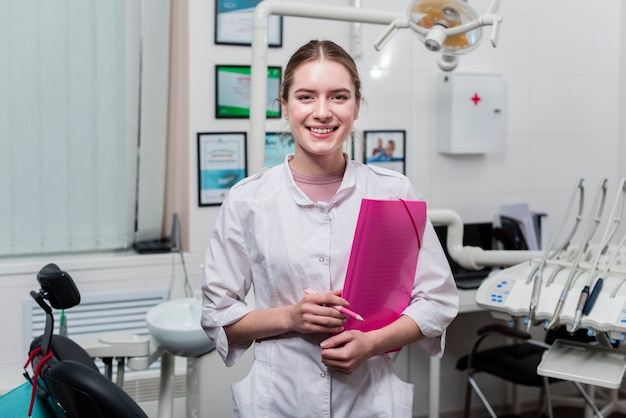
[[315, 313], [346, 351]]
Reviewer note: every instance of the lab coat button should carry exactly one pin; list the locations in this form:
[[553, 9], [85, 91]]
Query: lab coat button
[[321, 259], [322, 375]]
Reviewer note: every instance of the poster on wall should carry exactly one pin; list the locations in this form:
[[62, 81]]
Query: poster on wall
[[234, 22], [385, 149], [277, 146], [221, 164], [232, 86]]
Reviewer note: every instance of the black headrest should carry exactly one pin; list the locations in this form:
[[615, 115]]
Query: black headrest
[[59, 287]]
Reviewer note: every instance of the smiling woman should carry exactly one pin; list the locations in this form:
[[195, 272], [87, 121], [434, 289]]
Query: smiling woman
[[72, 124], [289, 228]]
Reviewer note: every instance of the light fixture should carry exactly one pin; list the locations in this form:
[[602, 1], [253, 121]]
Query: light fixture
[[449, 27], [429, 18]]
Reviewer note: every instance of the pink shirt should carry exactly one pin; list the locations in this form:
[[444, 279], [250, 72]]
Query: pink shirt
[[318, 188]]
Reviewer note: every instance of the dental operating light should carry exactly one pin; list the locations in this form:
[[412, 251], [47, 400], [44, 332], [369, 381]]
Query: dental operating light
[[450, 27]]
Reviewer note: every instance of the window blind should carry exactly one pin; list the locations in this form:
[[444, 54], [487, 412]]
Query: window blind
[[70, 117]]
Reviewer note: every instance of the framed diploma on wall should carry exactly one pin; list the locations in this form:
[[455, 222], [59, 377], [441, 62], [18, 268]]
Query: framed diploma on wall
[[232, 88], [221, 164], [233, 23]]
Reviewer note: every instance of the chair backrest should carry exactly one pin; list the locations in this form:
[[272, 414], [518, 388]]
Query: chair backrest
[[82, 391], [74, 382]]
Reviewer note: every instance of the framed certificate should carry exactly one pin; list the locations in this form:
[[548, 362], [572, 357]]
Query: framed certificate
[[385, 149], [232, 87], [221, 164], [277, 146], [233, 23]]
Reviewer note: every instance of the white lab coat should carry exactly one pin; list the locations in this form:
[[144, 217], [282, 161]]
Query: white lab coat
[[270, 235]]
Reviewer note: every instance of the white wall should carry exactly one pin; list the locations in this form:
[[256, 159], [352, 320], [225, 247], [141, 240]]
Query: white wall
[[561, 106], [560, 61]]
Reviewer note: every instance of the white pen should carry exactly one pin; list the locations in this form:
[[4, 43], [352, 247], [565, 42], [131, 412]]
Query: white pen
[[341, 309]]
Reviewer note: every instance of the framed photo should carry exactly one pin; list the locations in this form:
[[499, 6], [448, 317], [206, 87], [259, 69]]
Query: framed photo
[[233, 23], [277, 146], [221, 164], [232, 88], [385, 149]]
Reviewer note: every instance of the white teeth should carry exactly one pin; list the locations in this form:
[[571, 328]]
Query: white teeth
[[321, 130]]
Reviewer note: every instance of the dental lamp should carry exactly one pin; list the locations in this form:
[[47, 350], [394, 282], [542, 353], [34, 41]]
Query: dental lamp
[[450, 27]]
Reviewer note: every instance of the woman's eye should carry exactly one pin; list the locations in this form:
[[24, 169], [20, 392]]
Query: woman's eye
[[340, 97], [305, 97]]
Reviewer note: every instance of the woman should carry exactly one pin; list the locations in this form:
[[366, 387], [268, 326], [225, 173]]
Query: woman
[[290, 228]]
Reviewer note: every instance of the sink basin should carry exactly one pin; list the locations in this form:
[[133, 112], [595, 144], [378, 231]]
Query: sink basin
[[175, 326]]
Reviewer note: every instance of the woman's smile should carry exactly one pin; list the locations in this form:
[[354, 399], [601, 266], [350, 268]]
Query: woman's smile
[[322, 131]]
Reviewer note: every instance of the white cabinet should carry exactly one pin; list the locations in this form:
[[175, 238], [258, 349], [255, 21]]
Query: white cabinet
[[469, 113]]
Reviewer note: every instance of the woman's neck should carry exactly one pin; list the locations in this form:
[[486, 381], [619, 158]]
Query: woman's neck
[[318, 166]]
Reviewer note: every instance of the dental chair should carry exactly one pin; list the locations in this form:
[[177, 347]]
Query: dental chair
[[66, 379]]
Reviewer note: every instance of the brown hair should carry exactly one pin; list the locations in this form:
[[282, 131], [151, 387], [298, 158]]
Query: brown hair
[[315, 50]]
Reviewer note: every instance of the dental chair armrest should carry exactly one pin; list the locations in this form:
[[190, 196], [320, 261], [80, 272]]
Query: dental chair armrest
[[497, 329], [503, 330]]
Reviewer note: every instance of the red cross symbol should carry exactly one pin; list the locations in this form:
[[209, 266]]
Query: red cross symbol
[[476, 98]]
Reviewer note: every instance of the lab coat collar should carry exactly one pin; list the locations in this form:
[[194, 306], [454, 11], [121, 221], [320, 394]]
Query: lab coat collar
[[348, 184]]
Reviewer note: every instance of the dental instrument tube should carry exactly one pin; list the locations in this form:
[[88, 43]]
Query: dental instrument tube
[[594, 221], [534, 299], [582, 301], [612, 227], [537, 275]]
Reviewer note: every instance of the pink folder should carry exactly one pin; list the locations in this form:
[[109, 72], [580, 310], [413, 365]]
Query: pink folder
[[383, 260]]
